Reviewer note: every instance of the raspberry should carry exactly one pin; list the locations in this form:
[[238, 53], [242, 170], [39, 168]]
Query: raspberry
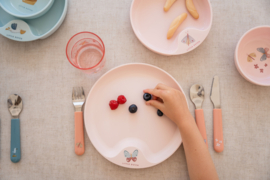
[[113, 104], [121, 99]]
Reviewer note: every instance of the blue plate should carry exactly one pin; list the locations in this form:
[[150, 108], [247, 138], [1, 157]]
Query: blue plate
[[33, 29]]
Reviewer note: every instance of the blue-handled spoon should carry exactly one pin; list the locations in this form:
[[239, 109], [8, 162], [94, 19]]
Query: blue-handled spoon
[[15, 107]]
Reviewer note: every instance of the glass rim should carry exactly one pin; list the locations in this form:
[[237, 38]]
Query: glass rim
[[86, 32]]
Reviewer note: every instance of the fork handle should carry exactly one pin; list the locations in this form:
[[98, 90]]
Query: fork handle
[[79, 134]]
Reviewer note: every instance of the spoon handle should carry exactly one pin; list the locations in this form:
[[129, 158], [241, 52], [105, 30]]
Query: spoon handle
[[15, 142], [201, 124]]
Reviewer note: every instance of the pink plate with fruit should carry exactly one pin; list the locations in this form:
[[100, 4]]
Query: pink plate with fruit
[[133, 140], [151, 23]]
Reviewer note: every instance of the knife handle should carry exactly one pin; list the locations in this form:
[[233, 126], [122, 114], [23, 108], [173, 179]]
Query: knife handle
[[218, 132], [201, 124], [15, 141], [79, 134]]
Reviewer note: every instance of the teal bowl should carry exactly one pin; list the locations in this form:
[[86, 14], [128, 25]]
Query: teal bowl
[[33, 29], [26, 9]]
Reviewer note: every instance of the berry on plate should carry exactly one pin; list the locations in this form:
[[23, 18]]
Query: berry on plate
[[147, 96], [121, 99], [159, 113], [132, 108], [113, 104]]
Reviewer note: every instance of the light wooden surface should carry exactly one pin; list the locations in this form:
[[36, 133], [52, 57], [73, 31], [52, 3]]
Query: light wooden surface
[[40, 73]]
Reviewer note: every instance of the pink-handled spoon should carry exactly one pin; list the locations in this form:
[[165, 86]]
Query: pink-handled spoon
[[197, 97]]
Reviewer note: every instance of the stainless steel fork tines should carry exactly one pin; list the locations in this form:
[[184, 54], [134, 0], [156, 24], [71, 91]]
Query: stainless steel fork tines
[[78, 98]]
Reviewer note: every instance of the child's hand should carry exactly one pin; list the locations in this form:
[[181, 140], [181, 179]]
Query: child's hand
[[170, 101], [173, 103]]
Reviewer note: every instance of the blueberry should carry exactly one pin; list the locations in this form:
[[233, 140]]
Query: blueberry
[[147, 97], [132, 108], [159, 113]]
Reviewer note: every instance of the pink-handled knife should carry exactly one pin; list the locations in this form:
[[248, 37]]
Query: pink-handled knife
[[217, 116]]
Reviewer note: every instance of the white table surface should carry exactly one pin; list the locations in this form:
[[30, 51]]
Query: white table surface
[[41, 74]]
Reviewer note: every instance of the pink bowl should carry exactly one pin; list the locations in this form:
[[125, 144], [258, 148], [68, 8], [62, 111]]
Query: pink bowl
[[252, 55]]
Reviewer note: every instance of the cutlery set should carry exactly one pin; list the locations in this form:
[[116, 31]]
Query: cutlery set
[[197, 97], [15, 107]]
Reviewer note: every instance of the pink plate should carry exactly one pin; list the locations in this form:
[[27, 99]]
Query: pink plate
[[150, 24], [252, 55], [138, 140]]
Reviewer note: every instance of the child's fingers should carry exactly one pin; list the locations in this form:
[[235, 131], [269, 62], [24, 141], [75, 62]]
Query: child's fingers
[[161, 86], [156, 104], [154, 92], [160, 100], [154, 97], [157, 99]]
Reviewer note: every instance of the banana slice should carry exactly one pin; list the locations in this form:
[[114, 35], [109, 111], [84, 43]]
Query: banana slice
[[191, 9], [175, 24], [168, 5]]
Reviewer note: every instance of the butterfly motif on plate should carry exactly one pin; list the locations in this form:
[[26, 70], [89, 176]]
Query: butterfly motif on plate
[[188, 39], [265, 53], [132, 156]]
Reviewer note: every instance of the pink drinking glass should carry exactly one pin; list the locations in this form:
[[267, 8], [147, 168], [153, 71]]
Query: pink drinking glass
[[86, 51]]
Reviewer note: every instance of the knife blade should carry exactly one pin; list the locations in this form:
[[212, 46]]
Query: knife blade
[[215, 94], [217, 115]]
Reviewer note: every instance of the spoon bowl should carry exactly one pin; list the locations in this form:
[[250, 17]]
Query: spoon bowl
[[197, 95], [15, 105]]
